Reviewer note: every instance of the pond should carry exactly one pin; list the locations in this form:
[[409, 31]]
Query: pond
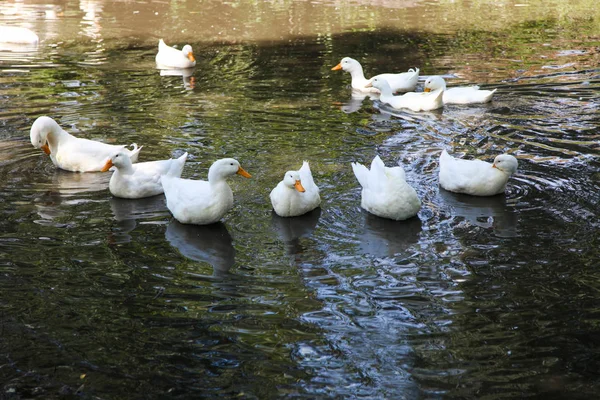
[[475, 298]]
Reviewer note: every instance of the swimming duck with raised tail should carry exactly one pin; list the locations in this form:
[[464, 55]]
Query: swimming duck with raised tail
[[401, 82], [385, 192], [296, 194], [202, 202], [136, 181], [170, 57], [459, 95], [413, 101], [71, 153], [476, 177]]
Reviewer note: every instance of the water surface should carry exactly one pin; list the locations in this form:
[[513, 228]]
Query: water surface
[[475, 298]]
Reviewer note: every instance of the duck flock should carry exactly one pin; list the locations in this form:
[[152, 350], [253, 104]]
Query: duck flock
[[385, 192]]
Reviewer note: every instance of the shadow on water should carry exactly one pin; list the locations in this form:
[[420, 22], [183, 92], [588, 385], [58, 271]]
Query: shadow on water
[[386, 238], [291, 230], [211, 244], [485, 212], [129, 213]]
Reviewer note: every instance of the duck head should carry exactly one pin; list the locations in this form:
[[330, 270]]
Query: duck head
[[433, 83], [347, 64], [292, 180], [40, 130], [381, 84], [226, 167], [187, 51], [119, 160], [506, 163]]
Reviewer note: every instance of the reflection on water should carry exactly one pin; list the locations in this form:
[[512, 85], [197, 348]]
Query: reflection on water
[[126, 209], [476, 298], [291, 230], [129, 213], [186, 75], [385, 238], [68, 183], [485, 212], [356, 101], [65, 190], [211, 244]]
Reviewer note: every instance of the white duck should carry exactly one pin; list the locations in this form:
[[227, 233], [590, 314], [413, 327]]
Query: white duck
[[459, 95], [402, 82], [413, 100], [71, 153], [202, 202], [170, 57], [136, 181], [16, 34], [476, 177], [296, 194], [385, 192]]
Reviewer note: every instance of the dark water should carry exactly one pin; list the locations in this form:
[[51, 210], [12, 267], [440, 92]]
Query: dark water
[[476, 298]]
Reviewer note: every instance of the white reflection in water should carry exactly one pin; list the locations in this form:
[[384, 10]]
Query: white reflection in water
[[71, 183], [290, 230], [356, 101], [207, 243], [91, 20], [128, 212], [189, 81], [383, 237], [485, 212], [68, 188]]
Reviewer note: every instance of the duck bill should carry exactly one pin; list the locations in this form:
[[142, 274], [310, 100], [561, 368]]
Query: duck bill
[[241, 171], [370, 84], [107, 166], [46, 149], [299, 187], [191, 57], [427, 90], [337, 67], [494, 166]]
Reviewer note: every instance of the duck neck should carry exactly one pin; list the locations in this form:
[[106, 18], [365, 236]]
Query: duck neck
[[357, 73], [386, 90], [55, 136], [126, 169], [215, 177]]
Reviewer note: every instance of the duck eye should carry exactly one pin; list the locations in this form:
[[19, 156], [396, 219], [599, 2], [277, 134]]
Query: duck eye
[[231, 163]]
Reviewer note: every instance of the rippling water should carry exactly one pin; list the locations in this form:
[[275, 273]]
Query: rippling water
[[474, 298]]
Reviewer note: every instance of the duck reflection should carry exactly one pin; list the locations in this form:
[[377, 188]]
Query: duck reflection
[[486, 212], [208, 243], [68, 187], [69, 183], [189, 81], [385, 237], [356, 101], [290, 230], [127, 212], [386, 111]]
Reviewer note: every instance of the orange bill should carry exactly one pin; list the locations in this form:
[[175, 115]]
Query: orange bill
[[299, 187], [241, 171], [191, 57], [426, 90], [369, 84], [107, 166], [46, 148], [494, 166], [337, 67]]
